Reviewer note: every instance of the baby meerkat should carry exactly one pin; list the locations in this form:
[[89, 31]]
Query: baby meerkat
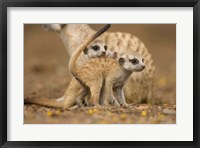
[[96, 49]]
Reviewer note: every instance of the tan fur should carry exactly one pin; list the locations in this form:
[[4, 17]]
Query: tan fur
[[76, 54], [72, 93], [96, 72], [139, 85]]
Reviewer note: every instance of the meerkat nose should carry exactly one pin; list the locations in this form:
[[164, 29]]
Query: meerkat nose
[[104, 52], [143, 66]]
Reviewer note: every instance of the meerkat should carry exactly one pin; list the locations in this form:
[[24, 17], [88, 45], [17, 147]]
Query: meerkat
[[73, 35], [96, 49]]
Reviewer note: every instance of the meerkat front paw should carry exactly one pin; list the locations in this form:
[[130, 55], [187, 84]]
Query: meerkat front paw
[[124, 105], [114, 103]]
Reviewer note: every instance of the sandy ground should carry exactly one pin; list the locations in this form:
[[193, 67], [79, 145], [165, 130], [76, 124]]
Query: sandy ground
[[46, 75]]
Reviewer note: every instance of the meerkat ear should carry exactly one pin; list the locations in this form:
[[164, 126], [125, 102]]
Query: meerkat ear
[[85, 51], [121, 61]]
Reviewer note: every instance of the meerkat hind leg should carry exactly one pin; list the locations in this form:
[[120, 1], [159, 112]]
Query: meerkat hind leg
[[107, 95], [86, 101], [79, 102], [72, 97], [82, 100], [95, 89]]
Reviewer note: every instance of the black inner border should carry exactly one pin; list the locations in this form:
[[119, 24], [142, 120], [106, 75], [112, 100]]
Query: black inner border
[[98, 3]]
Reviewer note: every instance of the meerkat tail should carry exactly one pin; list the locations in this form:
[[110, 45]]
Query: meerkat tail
[[73, 59], [45, 102]]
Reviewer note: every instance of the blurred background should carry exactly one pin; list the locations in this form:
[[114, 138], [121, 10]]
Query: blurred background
[[46, 61]]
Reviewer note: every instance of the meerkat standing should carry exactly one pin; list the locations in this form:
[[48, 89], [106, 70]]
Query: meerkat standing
[[73, 35], [96, 49]]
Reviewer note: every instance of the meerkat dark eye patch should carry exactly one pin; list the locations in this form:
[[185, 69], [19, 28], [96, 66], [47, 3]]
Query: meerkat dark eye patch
[[105, 47], [96, 47], [85, 51], [134, 61], [121, 61], [143, 60]]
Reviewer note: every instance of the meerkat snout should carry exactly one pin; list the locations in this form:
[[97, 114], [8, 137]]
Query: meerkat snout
[[143, 67]]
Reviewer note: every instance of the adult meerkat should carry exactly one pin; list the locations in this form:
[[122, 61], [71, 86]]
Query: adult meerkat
[[138, 87]]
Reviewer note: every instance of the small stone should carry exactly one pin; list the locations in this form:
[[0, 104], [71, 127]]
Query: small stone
[[169, 111]]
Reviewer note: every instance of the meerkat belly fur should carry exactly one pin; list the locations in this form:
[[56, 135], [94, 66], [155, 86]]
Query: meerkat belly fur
[[139, 85]]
